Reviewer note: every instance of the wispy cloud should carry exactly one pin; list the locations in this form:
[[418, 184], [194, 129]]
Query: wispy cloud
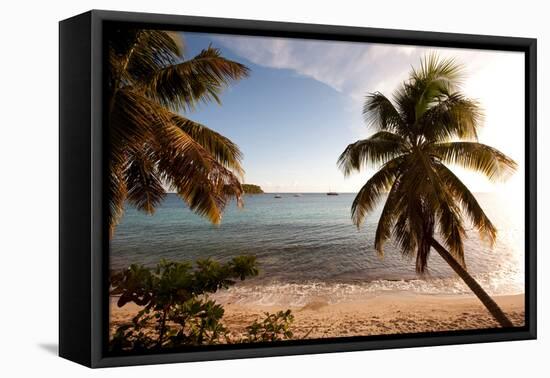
[[352, 68]]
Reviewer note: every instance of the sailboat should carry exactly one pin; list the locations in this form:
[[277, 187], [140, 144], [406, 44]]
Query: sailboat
[[330, 193]]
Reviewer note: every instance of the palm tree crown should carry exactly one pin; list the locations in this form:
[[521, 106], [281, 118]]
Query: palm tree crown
[[152, 146], [429, 124]]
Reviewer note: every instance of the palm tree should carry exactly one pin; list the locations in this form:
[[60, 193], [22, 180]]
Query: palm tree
[[152, 146], [429, 124]]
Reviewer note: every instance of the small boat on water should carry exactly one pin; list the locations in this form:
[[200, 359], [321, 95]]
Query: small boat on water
[[277, 196], [332, 194]]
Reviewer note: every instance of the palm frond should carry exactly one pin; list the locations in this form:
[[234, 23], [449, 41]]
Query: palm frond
[[453, 116], [444, 74], [414, 225], [428, 222], [404, 232], [199, 179], [223, 149], [135, 54], [131, 124], [377, 149], [468, 203], [451, 228], [411, 219], [201, 79], [435, 77], [430, 200], [133, 119], [388, 215], [144, 185], [475, 156], [374, 188], [150, 146], [381, 114], [176, 158]]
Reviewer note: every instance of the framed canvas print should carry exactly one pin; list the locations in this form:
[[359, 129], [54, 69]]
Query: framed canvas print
[[233, 188]]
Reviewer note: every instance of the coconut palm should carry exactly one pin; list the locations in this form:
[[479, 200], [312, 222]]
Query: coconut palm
[[153, 147], [428, 125]]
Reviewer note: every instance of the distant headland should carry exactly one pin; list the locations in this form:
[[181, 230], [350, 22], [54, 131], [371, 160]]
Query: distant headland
[[252, 189]]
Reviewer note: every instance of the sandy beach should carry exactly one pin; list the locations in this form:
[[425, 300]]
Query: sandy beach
[[386, 313]]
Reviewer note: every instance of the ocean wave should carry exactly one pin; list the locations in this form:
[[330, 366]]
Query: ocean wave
[[300, 294]]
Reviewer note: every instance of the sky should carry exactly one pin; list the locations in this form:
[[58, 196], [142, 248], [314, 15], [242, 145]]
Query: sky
[[301, 106]]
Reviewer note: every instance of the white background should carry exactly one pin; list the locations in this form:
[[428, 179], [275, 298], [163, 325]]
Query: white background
[[29, 187]]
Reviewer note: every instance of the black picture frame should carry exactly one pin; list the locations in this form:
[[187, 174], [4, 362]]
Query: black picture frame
[[83, 238]]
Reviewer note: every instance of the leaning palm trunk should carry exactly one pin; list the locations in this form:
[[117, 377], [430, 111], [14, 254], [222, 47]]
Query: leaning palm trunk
[[487, 301]]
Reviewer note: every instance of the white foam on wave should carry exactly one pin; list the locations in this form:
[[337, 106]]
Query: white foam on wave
[[300, 294]]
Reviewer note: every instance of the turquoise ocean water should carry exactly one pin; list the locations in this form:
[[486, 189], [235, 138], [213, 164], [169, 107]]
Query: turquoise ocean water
[[308, 247]]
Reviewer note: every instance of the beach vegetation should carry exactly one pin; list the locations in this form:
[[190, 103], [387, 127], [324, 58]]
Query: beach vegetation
[[274, 327], [175, 309]]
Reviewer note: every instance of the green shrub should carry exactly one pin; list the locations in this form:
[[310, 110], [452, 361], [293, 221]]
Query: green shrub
[[274, 327], [176, 309]]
